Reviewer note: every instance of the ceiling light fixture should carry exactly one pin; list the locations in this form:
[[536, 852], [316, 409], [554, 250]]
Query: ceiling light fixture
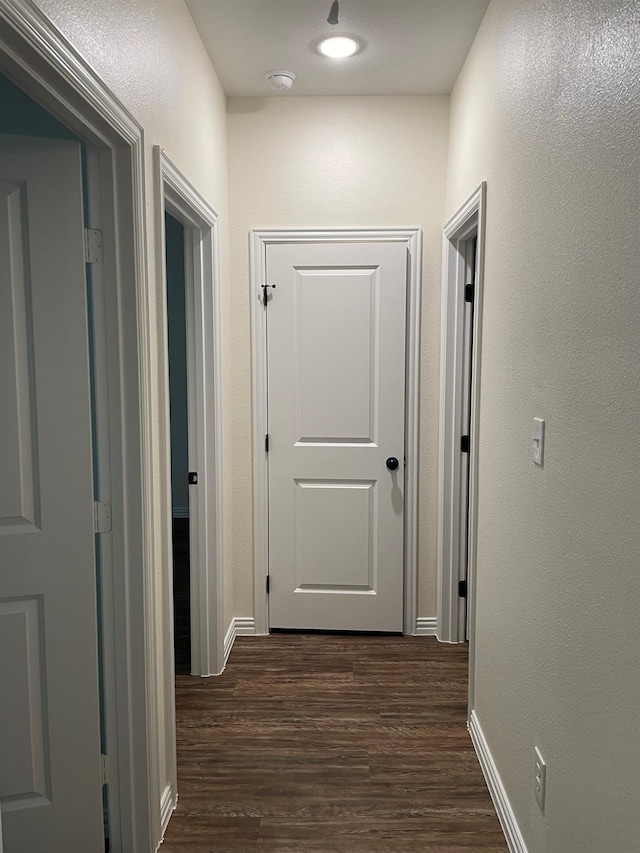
[[339, 47]]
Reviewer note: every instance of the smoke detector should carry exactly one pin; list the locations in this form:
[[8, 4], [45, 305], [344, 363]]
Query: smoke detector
[[280, 80]]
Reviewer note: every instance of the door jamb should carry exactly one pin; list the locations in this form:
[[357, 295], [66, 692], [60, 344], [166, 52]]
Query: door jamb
[[177, 196], [260, 239], [469, 219], [43, 63]]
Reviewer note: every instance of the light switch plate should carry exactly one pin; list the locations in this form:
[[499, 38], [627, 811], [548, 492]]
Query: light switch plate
[[538, 441], [540, 778]]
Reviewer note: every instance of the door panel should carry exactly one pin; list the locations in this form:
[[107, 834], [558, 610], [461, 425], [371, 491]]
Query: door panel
[[50, 785], [25, 756], [18, 467], [341, 512], [336, 355], [336, 362]]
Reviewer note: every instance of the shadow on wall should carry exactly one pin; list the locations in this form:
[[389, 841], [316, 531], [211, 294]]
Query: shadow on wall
[[21, 116], [176, 314], [242, 106]]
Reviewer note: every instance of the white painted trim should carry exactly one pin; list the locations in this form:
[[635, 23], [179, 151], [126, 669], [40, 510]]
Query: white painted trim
[[99, 320], [184, 202], [412, 430], [260, 239], [43, 63], [180, 512], [245, 626], [240, 626], [168, 805], [426, 626], [468, 220], [506, 815], [229, 640]]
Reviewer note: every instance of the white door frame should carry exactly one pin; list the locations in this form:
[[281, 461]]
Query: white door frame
[[260, 239], [467, 222], [202, 284], [42, 62]]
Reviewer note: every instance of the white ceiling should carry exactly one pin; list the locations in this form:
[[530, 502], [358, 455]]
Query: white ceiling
[[412, 47]]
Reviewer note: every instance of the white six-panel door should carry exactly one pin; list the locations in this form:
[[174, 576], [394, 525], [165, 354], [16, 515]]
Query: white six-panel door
[[336, 410], [50, 785]]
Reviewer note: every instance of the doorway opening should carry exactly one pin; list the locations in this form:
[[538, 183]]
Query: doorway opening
[[459, 421], [192, 403], [179, 428]]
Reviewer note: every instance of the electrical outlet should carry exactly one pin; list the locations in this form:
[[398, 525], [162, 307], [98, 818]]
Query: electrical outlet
[[540, 778]]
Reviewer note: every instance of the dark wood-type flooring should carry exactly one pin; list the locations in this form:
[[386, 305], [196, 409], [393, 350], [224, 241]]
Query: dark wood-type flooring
[[338, 744]]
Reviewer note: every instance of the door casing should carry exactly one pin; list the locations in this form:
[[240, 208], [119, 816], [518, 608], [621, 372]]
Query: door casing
[[260, 239], [467, 222]]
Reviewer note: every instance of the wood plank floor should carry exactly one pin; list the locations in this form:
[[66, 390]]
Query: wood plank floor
[[333, 744]]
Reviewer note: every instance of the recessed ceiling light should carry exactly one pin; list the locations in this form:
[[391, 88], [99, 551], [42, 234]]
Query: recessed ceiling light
[[339, 47]]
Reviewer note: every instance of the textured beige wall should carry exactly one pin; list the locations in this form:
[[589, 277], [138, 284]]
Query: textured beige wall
[[335, 162], [547, 110], [150, 55]]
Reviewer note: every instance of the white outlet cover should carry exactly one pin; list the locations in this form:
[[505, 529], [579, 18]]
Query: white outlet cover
[[540, 778]]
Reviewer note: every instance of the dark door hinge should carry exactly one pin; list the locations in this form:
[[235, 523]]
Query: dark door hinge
[[192, 478], [268, 584], [469, 292], [462, 589], [464, 443], [266, 443]]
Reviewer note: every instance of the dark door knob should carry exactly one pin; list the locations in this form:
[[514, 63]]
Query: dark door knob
[[392, 463]]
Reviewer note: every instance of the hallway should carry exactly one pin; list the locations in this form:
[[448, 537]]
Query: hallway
[[338, 744]]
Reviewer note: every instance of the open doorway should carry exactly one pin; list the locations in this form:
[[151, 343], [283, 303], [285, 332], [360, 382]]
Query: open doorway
[[193, 394], [179, 426]]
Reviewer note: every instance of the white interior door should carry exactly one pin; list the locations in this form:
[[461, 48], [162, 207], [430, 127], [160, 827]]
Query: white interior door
[[50, 785], [336, 410]]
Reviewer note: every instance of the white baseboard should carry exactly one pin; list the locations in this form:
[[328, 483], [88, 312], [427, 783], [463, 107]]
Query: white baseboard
[[426, 626], [180, 512], [506, 816], [168, 803], [241, 626]]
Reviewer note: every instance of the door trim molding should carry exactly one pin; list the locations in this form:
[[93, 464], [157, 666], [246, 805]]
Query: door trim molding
[[35, 55], [470, 218], [180, 198], [260, 239]]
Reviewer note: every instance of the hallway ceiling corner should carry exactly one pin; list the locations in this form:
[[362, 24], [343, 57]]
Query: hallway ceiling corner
[[412, 47]]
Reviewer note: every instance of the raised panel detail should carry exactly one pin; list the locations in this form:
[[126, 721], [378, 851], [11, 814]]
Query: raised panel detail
[[335, 545], [336, 355], [24, 768], [19, 500]]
